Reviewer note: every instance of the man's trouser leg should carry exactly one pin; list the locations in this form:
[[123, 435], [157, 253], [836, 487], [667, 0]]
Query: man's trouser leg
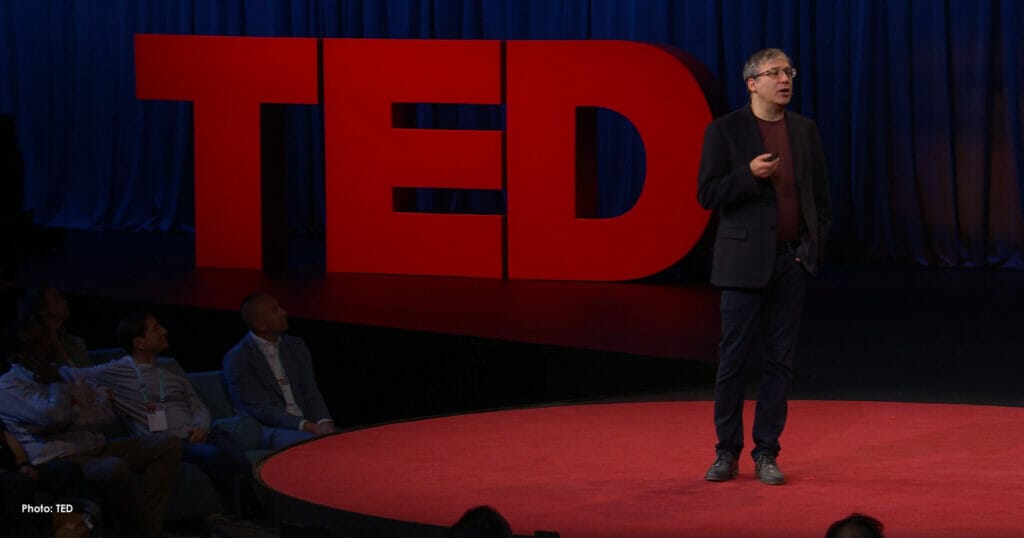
[[154, 460], [740, 313], [783, 306]]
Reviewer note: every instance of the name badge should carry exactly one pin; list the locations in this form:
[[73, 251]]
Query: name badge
[[157, 417]]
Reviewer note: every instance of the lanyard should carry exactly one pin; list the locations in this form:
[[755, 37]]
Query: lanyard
[[142, 384]]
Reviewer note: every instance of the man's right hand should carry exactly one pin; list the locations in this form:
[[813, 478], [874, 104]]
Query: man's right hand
[[764, 165], [321, 428]]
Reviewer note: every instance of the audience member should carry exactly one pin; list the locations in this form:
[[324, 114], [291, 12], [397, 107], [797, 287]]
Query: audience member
[[47, 306], [154, 395], [134, 476], [856, 526], [481, 522], [270, 376]]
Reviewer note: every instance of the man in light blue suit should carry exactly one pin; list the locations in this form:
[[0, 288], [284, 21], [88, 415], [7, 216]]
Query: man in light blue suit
[[270, 377]]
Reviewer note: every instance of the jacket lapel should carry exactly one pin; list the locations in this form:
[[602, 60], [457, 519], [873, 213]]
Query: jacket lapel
[[796, 146], [286, 365], [262, 366], [293, 369], [752, 133]]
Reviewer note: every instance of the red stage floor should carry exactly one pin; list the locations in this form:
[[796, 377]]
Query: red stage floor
[[635, 470]]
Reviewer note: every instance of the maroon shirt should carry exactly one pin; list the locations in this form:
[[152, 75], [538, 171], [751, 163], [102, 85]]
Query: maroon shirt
[[776, 140]]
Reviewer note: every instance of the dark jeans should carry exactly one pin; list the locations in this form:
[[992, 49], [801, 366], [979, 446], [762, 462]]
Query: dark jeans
[[277, 438], [134, 476], [223, 460], [764, 321]]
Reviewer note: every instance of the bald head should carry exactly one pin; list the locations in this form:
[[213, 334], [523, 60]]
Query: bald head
[[264, 315]]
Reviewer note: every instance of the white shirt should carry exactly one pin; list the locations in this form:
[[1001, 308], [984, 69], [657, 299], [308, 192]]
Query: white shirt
[[272, 352]]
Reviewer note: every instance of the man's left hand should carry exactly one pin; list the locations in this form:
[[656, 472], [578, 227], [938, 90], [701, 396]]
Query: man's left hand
[[323, 428]]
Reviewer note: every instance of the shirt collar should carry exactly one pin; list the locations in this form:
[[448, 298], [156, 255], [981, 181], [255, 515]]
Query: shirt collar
[[263, 342], [140, 365]]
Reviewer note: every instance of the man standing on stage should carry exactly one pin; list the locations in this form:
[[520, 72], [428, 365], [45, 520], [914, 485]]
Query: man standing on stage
[[763, 171]]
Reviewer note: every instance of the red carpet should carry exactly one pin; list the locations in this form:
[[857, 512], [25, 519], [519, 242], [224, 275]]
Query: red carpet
[[635, 470]]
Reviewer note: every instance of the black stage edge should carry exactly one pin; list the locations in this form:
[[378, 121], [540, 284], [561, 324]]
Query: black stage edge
[[392, 347], [297, 518], [373, 374], [658, 320], [396, 347]]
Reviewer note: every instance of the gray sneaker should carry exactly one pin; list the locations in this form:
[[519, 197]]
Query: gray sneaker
[[767, 471], [724, 468]]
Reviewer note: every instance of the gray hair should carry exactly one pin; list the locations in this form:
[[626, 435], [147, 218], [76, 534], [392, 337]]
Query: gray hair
[[754, 62]]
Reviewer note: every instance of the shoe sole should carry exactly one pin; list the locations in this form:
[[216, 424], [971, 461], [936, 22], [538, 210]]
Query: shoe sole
[[772, 483], [713, 479]]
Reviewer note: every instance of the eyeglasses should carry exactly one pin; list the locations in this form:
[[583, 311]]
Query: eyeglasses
[[776, 72]]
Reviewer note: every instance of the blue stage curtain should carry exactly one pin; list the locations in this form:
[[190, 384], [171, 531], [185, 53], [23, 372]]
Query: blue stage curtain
[[919, 104]]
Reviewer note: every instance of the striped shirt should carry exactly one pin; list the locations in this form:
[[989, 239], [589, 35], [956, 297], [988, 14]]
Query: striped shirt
[[184, 408]]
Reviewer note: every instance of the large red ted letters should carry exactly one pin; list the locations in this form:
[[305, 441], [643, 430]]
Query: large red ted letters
[[545, 82]]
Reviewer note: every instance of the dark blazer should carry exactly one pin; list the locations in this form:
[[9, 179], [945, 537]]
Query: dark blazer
[[745, 245], [254, 391]]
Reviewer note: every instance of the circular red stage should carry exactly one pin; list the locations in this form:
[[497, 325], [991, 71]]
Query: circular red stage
[[636, 470]]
